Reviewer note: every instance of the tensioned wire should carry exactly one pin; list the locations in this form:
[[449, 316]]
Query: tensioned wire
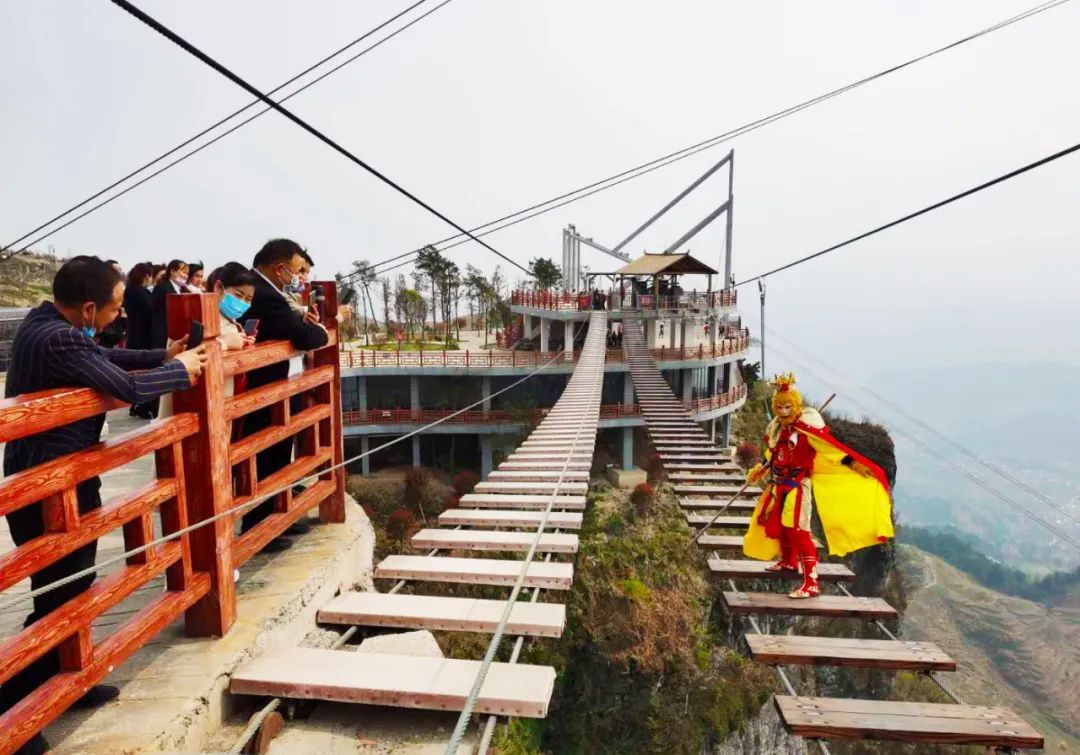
[[985, 463], [629, 174], [264, 497], [1049, 526], [220, 122], [673, 157], [594, 362]]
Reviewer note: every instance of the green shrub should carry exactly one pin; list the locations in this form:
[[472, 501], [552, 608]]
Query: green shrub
[[464, 481]]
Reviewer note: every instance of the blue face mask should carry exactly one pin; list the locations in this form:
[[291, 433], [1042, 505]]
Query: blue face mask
[[89, 332], [232, 306]]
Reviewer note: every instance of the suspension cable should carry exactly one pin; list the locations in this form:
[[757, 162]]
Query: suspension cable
[[1037, 518], [673, 157], [239, 508], [250, 89], [211, 127]]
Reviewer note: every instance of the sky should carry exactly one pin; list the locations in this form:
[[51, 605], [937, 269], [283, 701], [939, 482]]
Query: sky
[[489, 106]]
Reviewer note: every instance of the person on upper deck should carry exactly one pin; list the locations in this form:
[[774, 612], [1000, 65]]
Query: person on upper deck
[[54, 348], [277, 265]]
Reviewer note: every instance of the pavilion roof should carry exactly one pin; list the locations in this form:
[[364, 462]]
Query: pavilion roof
[[666, 264]]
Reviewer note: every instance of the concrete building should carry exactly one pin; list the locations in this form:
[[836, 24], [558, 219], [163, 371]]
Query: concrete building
[[696, 339]]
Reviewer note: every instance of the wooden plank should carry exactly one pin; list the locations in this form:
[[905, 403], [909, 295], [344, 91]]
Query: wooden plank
[[550, 465], [724, 491], [746, 569], [401, 681], [715, 503], [564, 520], [844, 651], [519, 501], [259, 398], [538, 475], [536, 488], [454, 614], [494, 540], [833, 718], [551, 575], [33, 413], [726, 542], [822, 605], [700, 520]]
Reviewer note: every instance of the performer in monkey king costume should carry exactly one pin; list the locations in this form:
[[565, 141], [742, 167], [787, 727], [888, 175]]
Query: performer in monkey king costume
[[808, 467]]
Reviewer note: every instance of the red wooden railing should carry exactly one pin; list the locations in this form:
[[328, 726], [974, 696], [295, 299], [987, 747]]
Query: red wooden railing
[[567, 301], [193, 457], [504, 417], [491, 358]]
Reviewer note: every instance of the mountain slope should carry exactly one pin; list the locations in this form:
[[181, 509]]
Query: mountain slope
[[1009, 651]]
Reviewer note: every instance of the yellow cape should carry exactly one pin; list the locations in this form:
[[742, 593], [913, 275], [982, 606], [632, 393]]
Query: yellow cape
[[855, 511]]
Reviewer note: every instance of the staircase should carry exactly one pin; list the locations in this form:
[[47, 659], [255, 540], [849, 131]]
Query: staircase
[[536, 496], [707, 486]]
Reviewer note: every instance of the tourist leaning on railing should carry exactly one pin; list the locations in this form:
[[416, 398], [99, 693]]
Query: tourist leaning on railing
[[277, 265], [234, 286], [54, 348]]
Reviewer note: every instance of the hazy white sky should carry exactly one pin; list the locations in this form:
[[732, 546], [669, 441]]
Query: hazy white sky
[[491, 105]]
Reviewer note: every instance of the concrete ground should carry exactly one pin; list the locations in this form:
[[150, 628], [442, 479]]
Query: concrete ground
[[173, 689]]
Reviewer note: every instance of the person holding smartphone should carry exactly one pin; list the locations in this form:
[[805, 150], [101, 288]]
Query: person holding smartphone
[[234, 286]]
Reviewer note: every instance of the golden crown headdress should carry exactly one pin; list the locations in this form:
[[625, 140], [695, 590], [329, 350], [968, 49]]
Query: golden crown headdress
[[784, 383]]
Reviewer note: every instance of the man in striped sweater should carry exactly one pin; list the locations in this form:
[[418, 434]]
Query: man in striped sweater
[[54, 348]]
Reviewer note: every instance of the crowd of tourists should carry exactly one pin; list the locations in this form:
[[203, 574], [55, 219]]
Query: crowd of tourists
[[108, 331]]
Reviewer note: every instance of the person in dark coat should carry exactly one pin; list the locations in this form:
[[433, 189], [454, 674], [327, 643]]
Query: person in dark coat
[[54, 348], [277, 265], [139, 306], [174, 282]]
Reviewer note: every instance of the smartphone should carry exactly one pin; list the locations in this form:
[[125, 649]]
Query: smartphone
[[251, 327], [196, 335]]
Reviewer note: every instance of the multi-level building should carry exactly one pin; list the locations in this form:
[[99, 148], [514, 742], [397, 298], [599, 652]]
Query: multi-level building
[[695, 337]]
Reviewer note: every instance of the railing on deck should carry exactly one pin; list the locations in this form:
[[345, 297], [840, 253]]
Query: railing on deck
[[578, 302], [199, 474], [504, 417], [490, 358]]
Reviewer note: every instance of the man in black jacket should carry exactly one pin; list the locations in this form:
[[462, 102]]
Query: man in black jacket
[[278, 265], [173, 282], [54, 348]]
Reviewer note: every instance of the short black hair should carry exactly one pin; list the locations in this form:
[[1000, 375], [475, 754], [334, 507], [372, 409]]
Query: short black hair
[[233, 274], [277, 250], [307, 258], [174, 265], [193, 269], [85, 278]]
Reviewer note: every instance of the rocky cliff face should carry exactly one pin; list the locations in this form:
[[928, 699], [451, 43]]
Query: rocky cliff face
[[762, 735]]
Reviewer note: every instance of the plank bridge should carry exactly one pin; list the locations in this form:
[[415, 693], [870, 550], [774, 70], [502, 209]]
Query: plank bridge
[[708, 485], [540, 487]]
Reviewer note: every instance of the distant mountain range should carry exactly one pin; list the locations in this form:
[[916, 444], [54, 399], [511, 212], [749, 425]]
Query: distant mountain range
[[1025, 418], [1009, 651]]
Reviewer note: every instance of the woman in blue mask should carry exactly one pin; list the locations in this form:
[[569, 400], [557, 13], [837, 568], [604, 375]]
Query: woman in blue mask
[[234, 286]]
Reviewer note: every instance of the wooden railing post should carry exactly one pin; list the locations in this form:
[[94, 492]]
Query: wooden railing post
[[206, 469], [332, 508]]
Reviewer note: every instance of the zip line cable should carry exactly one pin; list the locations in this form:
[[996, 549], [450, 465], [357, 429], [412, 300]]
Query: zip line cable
[[987, 464], [929, 208], [1046, 524], [210, 128], [626, 175], [255, 502], [197, 53], [673, 157], [222, 135]]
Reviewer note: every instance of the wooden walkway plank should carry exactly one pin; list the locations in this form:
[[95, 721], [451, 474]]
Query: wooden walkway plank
[[403, 611], [522, 501], [476, 571], [563, 520], [700, 520], [402, 681], [494, 540], [564, 488], [737, 568], [823, 605], [539, 475], [844, 651], [739, 504], [834, 718]]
